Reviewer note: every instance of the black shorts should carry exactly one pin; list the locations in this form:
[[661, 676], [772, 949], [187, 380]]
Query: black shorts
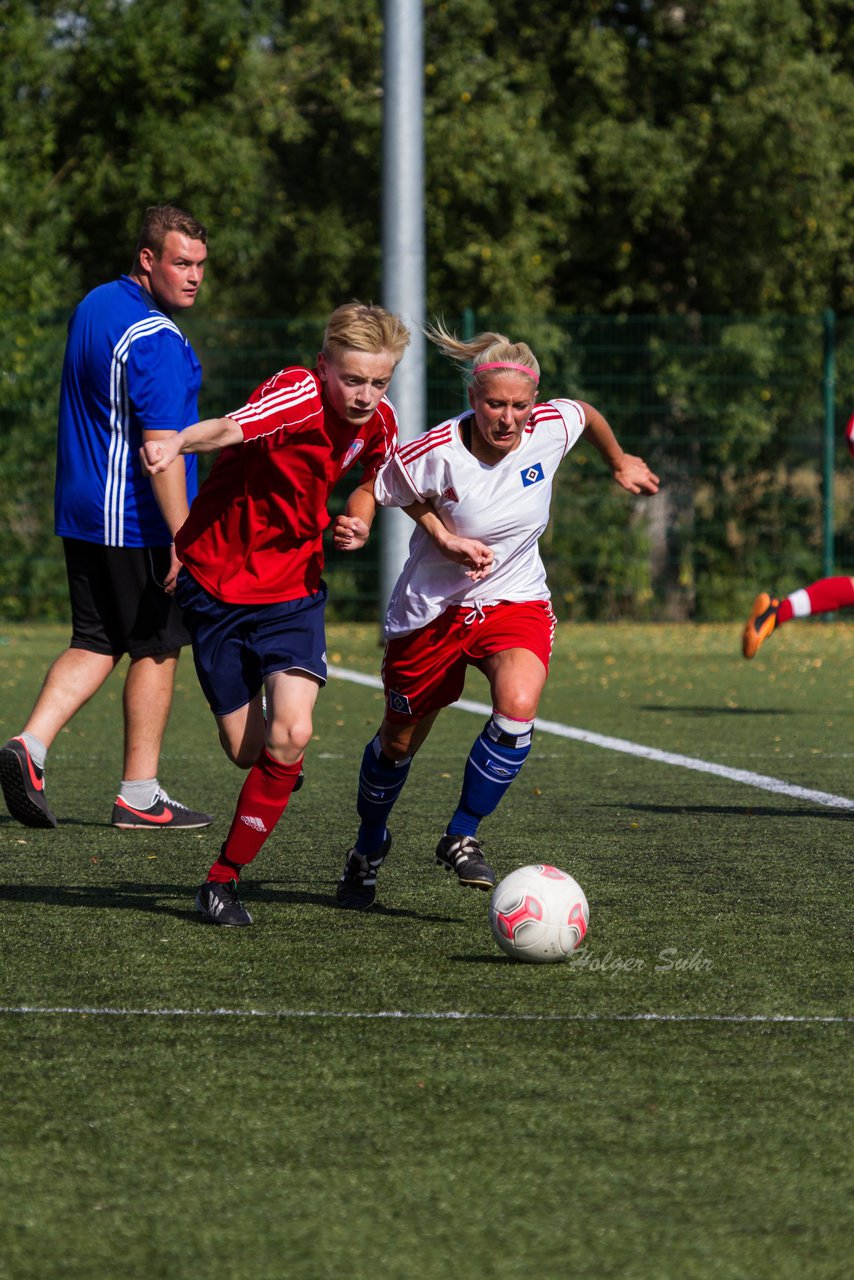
[[118, 604]]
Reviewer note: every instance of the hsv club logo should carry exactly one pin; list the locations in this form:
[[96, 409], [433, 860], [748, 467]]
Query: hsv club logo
[[531, 475]]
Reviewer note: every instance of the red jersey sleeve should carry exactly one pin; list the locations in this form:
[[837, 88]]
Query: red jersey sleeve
[[287, 402]]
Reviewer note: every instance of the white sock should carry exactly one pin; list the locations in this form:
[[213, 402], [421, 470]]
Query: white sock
[[36, 748], [140, 792]]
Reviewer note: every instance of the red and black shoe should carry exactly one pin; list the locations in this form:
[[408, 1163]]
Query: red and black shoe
[[23, 786], [163, 814]]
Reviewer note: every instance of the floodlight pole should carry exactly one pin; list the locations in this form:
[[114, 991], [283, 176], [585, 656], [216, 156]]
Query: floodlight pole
[[828, 442], [403, 256]]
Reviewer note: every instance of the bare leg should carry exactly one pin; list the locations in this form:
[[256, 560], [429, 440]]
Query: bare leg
[[401, 740], [70, 682], [241, 733], [147, 702], [285, 734]]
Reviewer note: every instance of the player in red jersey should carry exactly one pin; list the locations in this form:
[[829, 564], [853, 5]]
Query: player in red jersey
[[485, 476], [251, 549], [824, 596]]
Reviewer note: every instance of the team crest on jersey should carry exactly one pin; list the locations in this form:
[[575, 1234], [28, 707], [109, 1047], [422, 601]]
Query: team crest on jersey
[[450, 493], [352, 453], [531, 475], [399, 702]]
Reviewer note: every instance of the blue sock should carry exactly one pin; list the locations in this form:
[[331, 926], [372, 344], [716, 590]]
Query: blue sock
[[380, 783], [494, 760]]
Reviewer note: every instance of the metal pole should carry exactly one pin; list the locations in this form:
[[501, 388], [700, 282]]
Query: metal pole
[[403, 256], [828, 441]]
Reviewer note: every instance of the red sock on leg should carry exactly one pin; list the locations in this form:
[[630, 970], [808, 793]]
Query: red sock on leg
[[263, 799], [824, 596]]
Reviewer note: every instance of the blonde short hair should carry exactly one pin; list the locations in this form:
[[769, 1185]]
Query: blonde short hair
[[360, 326]]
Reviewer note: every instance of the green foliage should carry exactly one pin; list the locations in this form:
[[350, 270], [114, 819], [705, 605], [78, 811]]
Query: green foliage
[[629, 160], [32, 578], [641, 158]]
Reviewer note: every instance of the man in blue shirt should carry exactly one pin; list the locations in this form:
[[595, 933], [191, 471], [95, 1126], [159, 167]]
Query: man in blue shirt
[[129, 376]]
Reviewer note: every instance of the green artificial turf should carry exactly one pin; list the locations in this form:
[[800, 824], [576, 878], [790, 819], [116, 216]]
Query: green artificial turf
[[384, 1094]]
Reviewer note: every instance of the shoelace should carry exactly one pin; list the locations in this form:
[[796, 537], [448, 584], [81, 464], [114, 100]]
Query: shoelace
[[160, 794]]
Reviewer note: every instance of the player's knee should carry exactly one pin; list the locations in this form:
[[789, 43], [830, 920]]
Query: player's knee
[[518, 705], [288, 741]]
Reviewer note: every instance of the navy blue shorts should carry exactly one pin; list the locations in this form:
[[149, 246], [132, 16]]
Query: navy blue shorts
[[236, 646]]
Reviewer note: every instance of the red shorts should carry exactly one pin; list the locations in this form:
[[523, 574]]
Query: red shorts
[[426, 670]]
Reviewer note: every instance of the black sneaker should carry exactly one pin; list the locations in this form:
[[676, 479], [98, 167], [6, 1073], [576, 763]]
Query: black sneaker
[[165, 813], [220, 904], [357, 887], [464, 855], [23, 786]]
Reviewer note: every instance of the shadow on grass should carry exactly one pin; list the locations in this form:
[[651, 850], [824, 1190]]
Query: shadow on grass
[[97, 824], [150, 898]]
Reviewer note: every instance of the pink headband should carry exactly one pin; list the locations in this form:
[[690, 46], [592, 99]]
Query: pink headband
[[507, 364]]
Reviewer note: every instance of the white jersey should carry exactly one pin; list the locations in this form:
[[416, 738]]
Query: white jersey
[[504, 504]]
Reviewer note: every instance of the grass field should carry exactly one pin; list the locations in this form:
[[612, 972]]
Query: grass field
[[383, 1094]]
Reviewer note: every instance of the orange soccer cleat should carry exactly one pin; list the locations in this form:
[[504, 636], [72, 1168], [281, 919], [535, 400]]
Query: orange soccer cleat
[[760, 624]]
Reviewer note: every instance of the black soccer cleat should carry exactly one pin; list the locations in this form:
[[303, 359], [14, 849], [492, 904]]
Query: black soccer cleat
[[357, 887], [23, 786], [165, 813], [464, 855], [220, 904]]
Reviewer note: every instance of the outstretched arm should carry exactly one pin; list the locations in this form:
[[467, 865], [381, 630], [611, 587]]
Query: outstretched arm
[[629, 471], [169, 484], [159, 453]]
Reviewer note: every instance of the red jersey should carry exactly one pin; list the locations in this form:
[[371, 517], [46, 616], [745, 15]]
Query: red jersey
[[254, 534]]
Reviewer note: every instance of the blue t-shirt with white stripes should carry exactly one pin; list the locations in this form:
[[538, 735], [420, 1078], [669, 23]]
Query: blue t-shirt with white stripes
[[127, 368]]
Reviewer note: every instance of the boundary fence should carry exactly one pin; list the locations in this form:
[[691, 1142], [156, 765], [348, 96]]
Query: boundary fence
[[742, 417]]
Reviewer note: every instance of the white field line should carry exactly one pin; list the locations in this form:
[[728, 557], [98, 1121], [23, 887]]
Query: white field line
[[761, 780], [402, 1015]]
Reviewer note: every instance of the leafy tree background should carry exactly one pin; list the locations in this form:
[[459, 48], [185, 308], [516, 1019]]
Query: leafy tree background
[[684, 171]]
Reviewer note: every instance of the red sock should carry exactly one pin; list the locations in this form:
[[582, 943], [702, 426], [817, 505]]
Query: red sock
[[263, 799], [825, 596]]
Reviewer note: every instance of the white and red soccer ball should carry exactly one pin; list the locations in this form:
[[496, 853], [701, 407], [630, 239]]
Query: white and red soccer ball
[[539, 914]]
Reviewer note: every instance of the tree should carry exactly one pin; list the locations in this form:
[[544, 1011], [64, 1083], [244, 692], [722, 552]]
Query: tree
[[631, 158]]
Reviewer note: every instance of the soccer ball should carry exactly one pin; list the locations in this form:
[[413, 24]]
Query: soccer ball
[[539, 914]]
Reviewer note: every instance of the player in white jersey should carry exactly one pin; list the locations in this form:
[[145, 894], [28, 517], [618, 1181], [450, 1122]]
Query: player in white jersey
[[473, 591]]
